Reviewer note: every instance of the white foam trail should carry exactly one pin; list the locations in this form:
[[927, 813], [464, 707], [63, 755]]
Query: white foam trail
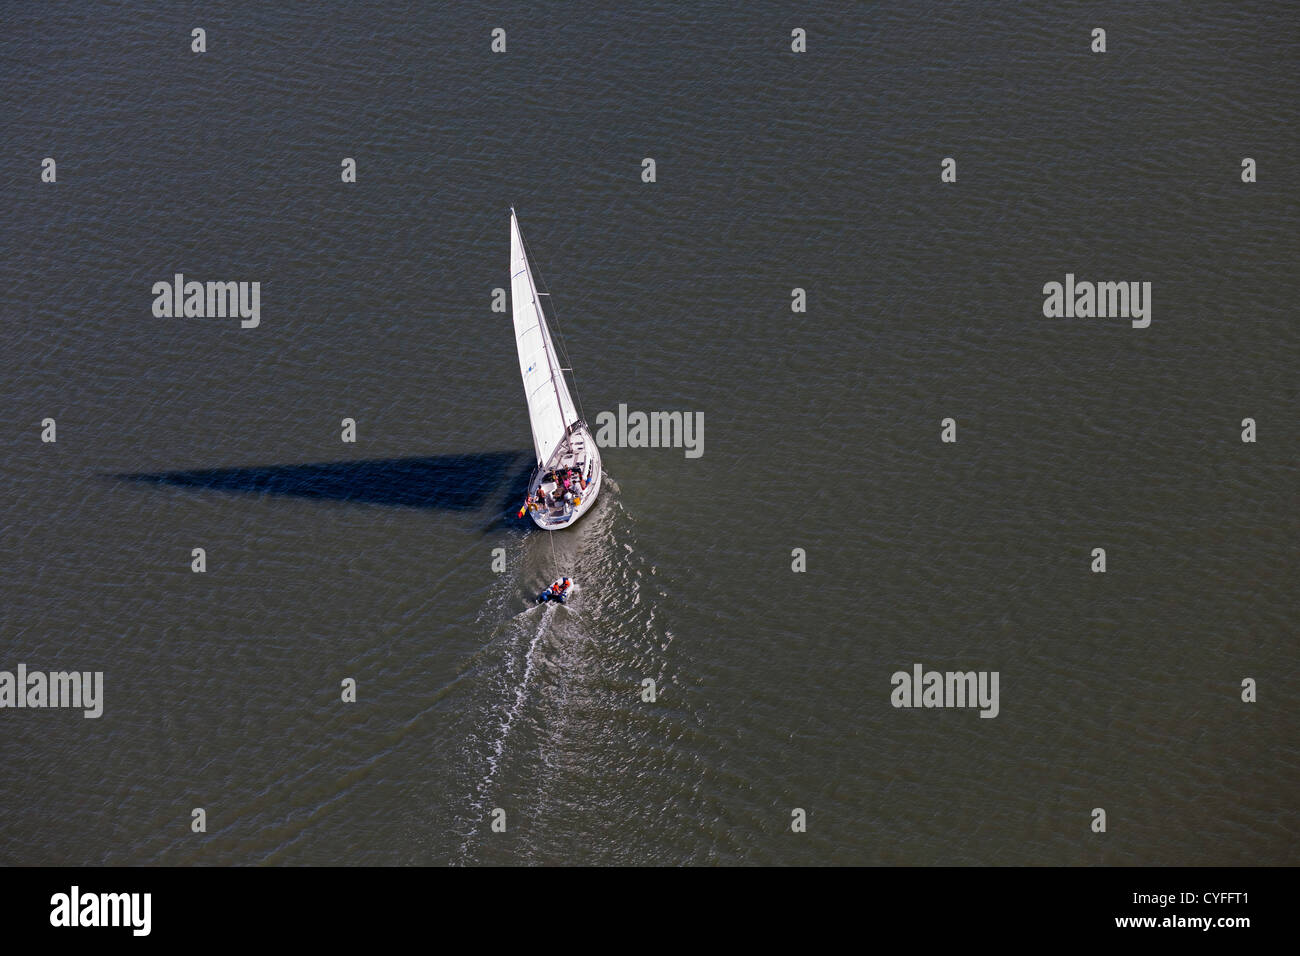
[[512, 711], [520, 694]]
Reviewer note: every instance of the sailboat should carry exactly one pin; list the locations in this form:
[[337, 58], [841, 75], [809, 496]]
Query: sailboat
[[561, 439]]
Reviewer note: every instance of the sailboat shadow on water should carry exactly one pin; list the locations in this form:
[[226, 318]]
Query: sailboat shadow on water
[[445, 482]]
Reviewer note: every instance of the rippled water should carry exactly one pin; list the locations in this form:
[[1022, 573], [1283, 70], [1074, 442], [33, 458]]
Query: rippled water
[[374, 560]]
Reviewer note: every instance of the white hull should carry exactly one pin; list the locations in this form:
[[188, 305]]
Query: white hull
[[562, 516]]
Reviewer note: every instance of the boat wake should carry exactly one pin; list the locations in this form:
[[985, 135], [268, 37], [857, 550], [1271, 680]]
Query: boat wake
[[548, 662], [513, 708]]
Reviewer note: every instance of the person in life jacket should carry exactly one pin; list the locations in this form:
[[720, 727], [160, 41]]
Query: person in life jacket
[[557, 591]]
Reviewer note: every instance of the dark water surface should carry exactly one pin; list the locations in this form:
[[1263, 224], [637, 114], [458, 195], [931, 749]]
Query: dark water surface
[[373, 560]]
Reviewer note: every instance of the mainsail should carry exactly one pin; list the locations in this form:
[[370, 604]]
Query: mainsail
[[550, 407]]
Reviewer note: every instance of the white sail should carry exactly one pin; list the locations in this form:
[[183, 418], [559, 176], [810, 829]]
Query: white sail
[[550, 407]]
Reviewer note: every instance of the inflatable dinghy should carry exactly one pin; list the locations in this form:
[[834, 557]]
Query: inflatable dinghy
[[558, 591]]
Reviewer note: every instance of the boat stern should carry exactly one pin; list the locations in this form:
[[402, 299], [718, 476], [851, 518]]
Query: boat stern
[[563, 512]]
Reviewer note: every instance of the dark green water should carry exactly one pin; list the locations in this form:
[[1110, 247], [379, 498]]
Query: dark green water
[[775, 170]]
